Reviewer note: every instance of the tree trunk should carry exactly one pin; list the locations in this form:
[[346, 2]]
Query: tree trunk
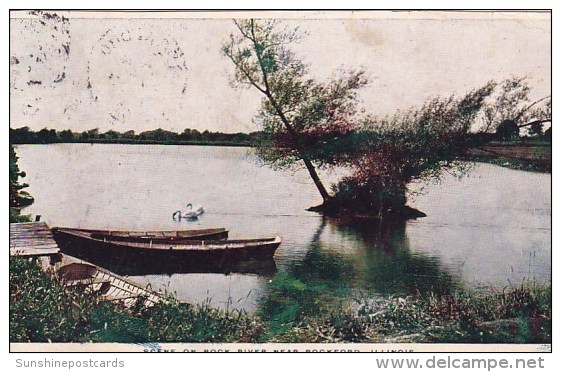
[[286, 122], [309, 166], [312, 170]]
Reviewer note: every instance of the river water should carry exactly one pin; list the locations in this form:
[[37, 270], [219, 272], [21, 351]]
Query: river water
[[490, 229]]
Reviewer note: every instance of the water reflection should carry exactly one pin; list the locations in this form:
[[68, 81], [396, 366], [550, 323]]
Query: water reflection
[[381, 263], [392, 266], [136, 265], [261, 267]]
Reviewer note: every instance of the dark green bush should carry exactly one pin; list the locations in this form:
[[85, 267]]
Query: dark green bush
[[43, 310]]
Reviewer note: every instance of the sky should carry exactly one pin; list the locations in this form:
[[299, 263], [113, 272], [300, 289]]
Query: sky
[[165, 70]]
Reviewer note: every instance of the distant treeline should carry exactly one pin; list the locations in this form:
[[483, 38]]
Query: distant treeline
[[24, 135]]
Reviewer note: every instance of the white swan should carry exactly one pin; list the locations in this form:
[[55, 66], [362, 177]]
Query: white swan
[[191, 213]]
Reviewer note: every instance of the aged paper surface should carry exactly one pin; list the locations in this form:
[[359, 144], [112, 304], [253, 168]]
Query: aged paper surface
[[142, 71]]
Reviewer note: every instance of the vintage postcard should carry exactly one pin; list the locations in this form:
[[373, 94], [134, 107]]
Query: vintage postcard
[[280, 181]]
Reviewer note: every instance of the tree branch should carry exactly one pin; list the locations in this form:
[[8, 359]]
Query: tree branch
[[238, 64], [523, 110], [541, 121]]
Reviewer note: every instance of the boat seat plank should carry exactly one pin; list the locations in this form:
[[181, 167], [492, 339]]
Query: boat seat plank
[[88, 281]]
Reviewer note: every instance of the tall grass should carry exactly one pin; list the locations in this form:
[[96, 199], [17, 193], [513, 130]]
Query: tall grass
[[42, 310], [514, 315]]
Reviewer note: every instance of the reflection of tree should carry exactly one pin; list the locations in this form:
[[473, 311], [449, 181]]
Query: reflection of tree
[[385, 262], [380, 263]]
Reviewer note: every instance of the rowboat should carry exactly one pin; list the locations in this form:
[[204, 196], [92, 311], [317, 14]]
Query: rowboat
[[130, 257], [107, 285], [162, 236]]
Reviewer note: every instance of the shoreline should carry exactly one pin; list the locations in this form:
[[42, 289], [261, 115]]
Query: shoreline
[[519, 315], [147, 142], [530, 157]]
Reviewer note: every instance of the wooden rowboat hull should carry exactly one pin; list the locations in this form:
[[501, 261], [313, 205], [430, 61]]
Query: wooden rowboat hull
[[109, 286], [134, 258], [161, 236]]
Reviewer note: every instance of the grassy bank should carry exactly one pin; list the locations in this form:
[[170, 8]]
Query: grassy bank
[[516, 315], [533, 156], [40, 311]]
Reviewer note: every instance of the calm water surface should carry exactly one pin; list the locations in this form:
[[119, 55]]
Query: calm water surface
[[490, 229]]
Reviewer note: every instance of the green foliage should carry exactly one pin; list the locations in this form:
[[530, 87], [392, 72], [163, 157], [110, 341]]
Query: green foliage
[[337, 324], [536, 129], [303, 292], [18, 198], [157, 136], [511, 106], [392, 315], [466, 317], [319, 123], [288, 300], [517, 315], [306, 119], [22, 135], [47, 136], [507, 130], [417, 145], [423, 143], [110, 324], [43, 310], [324, 116], [172, 321]]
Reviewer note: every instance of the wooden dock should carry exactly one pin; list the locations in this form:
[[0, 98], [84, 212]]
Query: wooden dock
[[32, 239]]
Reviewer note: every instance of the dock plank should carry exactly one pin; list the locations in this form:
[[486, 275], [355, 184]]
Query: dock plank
[[32, 239]]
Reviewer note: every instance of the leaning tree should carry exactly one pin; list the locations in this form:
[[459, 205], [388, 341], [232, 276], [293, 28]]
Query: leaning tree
[[317, 124], [307, 121]]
